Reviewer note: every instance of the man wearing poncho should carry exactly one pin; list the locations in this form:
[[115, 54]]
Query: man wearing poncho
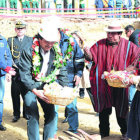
[[116, 53]]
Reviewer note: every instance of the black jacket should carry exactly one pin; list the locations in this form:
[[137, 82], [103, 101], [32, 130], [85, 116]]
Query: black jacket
[[18, 47], [134, 37], [25, 68]]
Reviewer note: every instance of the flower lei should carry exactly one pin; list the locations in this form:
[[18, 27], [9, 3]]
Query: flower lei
[[138, 63], [59, 61]]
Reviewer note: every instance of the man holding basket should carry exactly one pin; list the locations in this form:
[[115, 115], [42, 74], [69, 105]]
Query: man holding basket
[[45, 63], [110, 53]]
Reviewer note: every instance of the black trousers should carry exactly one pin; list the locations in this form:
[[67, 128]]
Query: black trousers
[[17, 89], [104, 122], [134, 118], [81, 91]]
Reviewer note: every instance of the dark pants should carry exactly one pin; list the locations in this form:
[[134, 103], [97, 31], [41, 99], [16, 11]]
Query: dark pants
[[104, 122], [35, 5], [71, 112], [50, 118], [134, 118], [17, 89], [81, 92]]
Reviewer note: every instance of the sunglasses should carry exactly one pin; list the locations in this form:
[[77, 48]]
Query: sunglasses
[[20, 28]]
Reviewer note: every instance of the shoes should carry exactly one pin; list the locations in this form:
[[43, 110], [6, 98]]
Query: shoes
[[2, 128], [66, 120], [25, 117], [81, 93], [97, 114], [124, 137], [81, 96], [15, 119], [104, 135]]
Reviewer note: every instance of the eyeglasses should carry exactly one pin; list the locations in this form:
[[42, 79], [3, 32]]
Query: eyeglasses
[[20, 28], [126, 32]]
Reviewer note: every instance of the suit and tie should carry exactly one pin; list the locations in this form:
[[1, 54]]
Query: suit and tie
[[17, 88]]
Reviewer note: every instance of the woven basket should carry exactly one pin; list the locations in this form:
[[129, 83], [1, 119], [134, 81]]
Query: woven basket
[[59, 95], [116, 83], [59, 100]]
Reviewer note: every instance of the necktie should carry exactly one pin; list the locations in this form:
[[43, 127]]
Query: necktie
[[20, 40]]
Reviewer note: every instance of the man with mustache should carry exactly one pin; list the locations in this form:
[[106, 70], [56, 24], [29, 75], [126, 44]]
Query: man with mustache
[[37, 63], [113, 52]]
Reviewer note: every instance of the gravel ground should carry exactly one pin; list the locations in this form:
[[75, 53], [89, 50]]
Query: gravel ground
[[88, 120]]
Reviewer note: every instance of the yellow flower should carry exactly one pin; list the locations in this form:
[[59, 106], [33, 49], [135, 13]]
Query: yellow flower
[[36, 59]]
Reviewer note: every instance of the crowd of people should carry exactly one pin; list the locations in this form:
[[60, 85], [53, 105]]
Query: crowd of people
[[117, 8], [34, 6], [30, 60], [25, 5], [104, 8]]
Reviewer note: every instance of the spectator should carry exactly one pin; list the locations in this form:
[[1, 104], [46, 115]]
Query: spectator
[[133, 121], [13, 4], [130, 8], [105, 3], [99, 5], [136, 5], [59, 5], [127, 5], [2, 4], [17, 44], [111, 4], [26, 5], [5, 67], [72, 118], [49, 5], [69, 5], [35, 4], [132, 34], [84, 83], [119, 5], [75, 70], [82, 5], [112, 51]]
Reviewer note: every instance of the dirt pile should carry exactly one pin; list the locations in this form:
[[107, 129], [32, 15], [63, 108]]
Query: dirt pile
[[91, 29]]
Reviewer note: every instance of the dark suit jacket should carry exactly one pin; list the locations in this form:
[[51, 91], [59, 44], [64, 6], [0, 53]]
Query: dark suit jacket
[[134, 37], [25, 70], [19, 46]]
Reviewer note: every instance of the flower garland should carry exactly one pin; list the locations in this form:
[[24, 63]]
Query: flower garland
[[138, 63], [59, 61]]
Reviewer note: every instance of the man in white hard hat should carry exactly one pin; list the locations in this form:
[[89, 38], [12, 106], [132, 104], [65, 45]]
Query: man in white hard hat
[[37, 64]]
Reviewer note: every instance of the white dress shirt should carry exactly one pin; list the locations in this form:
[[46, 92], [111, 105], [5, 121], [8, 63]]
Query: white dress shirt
[[20, 39], [45, 62]]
